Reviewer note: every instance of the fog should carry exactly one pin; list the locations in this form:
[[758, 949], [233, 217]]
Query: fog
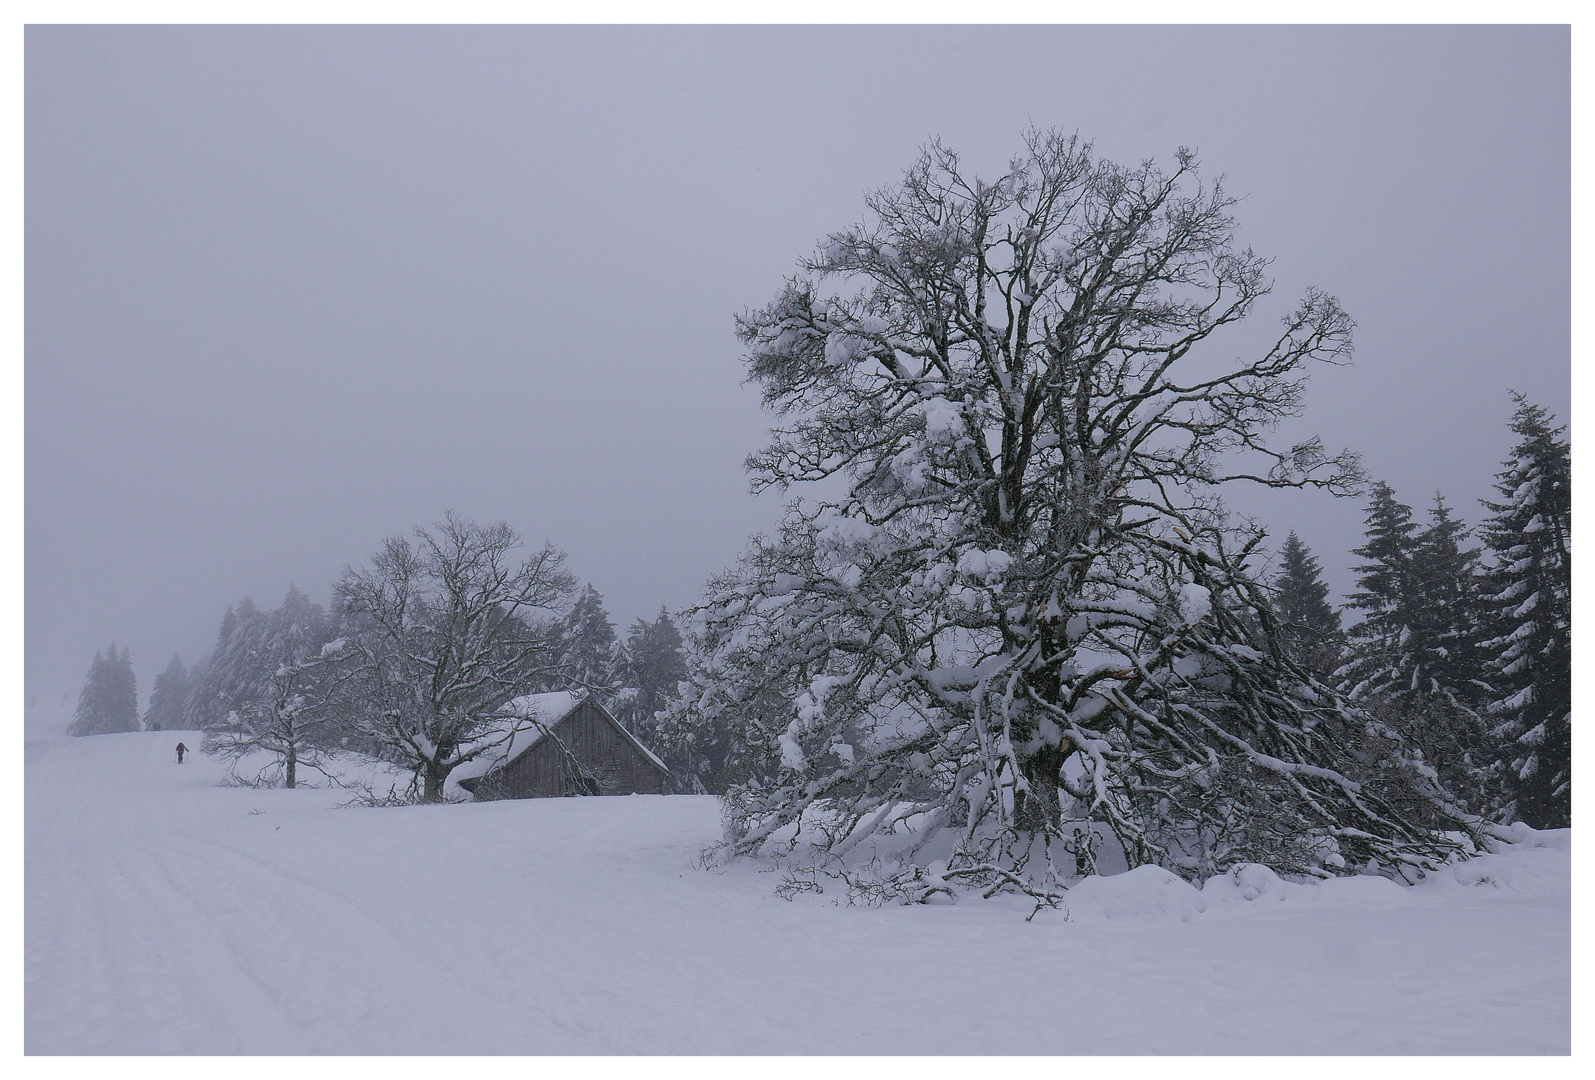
[[292, 290]]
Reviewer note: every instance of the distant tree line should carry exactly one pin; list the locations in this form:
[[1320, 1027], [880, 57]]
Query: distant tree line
[[419, 650]]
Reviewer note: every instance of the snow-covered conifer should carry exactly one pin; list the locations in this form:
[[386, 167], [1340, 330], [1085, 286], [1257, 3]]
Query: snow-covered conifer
[[594, 661], [124, 690], [92, 699], [1447, 572], [1309, 623], [1019, 599], [1529, 592], [1386, 594], [655, 666], [108, 702], [168, 696], [231, 675], [1414, 656]]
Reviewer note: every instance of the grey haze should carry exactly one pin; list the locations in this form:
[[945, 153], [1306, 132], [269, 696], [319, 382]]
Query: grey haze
[[290, 290]]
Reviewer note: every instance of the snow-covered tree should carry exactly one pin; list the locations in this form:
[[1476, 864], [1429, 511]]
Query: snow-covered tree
[[441, 632], [168, 696], [594, 661], [1529, 591], [1413, 657], [1448, 580], [724, 731], [656, 664], [125, 693], [289, 702], [1386, 594], [1309, 623], [655, 667], [1018, 598], [231, 675], [108, 702]]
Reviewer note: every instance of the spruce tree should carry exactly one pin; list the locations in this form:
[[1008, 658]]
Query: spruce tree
[[1529, 592], [1413, 658], [1446, 574], [92, 699], [230, 678], [593, 657], [168, 696], [1311, 626], [655, 665], [124, 691], [108, 702], [1380, 659]]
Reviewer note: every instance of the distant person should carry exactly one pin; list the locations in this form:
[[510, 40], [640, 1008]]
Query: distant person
[[181, 750]]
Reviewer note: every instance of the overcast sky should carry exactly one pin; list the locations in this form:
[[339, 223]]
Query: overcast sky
[[292, 290]]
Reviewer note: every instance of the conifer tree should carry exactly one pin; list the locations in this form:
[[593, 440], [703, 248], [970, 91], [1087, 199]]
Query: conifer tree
[[202, 708], [1413, 658], [593, 660], [230, 678], [655, 666], [196, 679], [168, 697], [1380, 662], [108, 702], [93, 700], [1310, 624], [124, 701], [1529, 592], [1446, 576]]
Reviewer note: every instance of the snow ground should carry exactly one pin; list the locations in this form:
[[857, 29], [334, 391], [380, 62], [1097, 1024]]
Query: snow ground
[[167, 915]]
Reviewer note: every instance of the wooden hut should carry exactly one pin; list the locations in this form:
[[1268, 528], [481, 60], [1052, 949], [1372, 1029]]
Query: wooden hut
[[557, 744]]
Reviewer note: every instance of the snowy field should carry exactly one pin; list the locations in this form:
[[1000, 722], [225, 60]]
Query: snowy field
[[167, 915]]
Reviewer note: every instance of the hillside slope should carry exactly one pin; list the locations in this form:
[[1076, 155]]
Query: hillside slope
[[165, 914]]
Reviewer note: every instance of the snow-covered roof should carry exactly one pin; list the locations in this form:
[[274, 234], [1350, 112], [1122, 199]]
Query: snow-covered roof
[[525, 721], [546, 709]]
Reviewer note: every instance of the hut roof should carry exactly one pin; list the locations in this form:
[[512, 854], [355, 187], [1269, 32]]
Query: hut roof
[[525, 721]]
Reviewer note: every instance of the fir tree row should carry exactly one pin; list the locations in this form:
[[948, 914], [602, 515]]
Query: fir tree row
[[1464, 650]]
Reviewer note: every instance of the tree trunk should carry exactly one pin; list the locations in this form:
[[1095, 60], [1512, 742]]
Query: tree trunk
[[1039, 808], [432, 790], [292, 765]]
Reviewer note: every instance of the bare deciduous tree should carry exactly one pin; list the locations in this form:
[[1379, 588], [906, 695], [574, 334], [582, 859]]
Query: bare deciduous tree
[[1022, 596], [442, 631], [292, 721], [284, 682]]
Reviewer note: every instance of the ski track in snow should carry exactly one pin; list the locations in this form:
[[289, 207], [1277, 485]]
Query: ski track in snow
[[167, 915]]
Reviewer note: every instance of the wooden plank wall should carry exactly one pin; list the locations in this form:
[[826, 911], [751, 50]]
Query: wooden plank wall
[[605, 755]]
